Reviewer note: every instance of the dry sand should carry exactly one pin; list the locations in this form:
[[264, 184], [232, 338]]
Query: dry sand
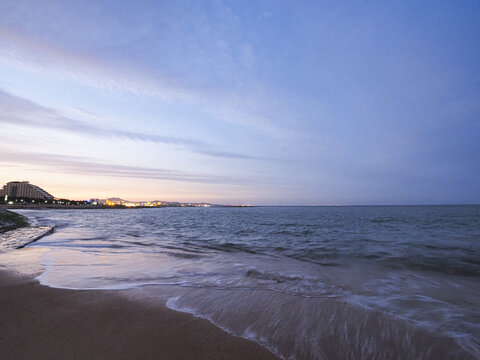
[[38, 322]]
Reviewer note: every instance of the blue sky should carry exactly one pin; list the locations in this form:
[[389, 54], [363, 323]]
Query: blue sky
[[258, 102]]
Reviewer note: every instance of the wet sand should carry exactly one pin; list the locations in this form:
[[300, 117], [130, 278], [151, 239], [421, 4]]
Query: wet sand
[[38, 322]]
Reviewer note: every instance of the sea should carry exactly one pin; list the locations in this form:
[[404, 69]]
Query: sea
[[349, 282]]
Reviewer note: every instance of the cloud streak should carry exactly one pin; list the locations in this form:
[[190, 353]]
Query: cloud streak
[[23, 112], [87, 166]]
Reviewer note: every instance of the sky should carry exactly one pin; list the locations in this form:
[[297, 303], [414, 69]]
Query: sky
[[243, 102]]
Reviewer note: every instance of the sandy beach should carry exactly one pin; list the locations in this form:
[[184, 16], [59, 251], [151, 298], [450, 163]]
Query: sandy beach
[[38, 322], [146, 280]]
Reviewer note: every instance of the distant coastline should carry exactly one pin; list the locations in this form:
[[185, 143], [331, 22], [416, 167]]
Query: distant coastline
[[40, 206], [24, 195]]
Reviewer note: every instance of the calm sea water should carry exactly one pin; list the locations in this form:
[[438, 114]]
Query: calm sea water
[[306, 282]]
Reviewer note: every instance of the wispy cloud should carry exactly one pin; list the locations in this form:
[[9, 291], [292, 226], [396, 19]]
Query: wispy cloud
[[219, 74], [23, 112], [89, 166]]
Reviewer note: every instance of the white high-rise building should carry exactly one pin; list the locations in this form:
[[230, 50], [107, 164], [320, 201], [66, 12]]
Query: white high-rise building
[[25, 190]]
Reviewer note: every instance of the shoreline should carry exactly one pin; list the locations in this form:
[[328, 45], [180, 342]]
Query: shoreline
[[39, 322]]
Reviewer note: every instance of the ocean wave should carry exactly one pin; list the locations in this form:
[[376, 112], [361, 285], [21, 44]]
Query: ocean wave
[[231, 247], [266, 275]]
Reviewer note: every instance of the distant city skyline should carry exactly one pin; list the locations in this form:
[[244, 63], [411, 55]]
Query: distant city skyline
[[25, 194], [261, 103]]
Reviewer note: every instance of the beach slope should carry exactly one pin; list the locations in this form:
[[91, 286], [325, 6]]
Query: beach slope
[[38, 322]]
